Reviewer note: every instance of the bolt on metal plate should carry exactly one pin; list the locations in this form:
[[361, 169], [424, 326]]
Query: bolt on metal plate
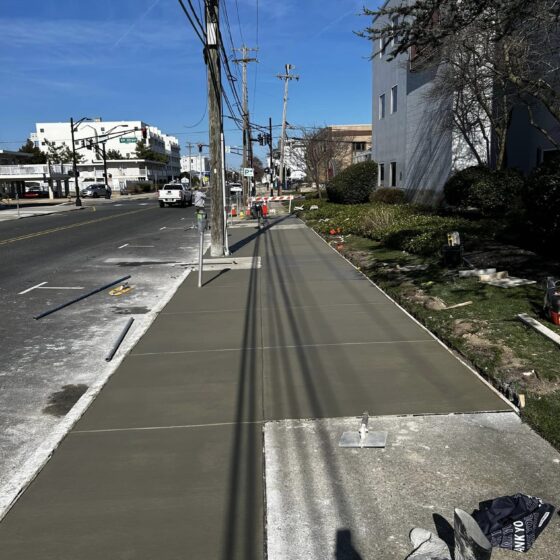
[[363, 437]]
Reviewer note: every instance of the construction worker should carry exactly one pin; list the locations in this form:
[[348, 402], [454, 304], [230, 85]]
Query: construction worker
[[199, 199]]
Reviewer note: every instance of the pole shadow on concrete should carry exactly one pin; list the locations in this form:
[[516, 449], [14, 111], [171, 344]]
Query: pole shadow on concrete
[[344, 549]]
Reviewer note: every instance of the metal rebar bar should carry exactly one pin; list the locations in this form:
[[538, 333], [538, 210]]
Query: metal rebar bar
[[120, 339]]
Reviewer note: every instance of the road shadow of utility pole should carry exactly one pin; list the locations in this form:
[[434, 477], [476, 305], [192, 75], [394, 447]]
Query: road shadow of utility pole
[[344, 548]]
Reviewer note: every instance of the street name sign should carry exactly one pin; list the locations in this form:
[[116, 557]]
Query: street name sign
[[128, 140]]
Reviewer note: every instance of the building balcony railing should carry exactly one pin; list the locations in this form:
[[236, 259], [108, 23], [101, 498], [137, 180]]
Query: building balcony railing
[[42, 170]]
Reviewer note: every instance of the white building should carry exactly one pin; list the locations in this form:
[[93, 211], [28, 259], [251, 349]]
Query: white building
[[195, 164], [413, 144], [119, 136]]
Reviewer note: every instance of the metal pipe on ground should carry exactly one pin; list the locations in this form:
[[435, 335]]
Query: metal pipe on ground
[[119, 340], [84, 296]]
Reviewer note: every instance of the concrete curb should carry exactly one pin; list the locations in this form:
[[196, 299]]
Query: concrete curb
[[455, 354], [37, 461]]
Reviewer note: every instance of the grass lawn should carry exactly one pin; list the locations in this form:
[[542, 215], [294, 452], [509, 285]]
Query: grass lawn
[[486, 332]]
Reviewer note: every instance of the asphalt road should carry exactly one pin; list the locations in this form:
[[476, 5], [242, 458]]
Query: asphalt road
[[53, 259]]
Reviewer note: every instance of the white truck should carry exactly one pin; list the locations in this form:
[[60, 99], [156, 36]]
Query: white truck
[[175, 193]]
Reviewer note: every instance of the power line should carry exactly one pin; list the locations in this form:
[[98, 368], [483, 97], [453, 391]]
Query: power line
[[239, 22], [201, 36]]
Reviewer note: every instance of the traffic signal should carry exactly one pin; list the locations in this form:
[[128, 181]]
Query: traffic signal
[[200, 148], [288, 172], [268, 140], [144, 133], [260, 138]]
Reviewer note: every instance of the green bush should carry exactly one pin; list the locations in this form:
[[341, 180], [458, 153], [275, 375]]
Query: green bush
[[498, 193], [388, 195], [457, 188], [541, 198], [354, 184]]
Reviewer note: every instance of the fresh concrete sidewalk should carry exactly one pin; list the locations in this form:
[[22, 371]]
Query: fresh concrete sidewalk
[[168, 461]]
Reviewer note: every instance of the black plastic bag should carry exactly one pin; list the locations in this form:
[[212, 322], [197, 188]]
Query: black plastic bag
[[513, 522]]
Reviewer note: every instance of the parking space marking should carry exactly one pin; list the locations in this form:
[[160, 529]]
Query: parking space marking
[[61, 287], [30, 289], [123, 246], [42, 286]]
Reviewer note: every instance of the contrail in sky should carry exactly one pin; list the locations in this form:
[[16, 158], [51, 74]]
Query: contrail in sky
[[127, 32]]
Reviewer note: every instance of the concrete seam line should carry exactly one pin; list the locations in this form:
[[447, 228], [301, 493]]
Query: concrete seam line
[[271, 308], [154, 428], [287, 347], [35, 463], [455, 354]]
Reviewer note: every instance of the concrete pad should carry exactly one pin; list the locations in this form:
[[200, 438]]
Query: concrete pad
[[342, 380], [327, 502], [201, 331], [179, 390], [373, 323], [165, 494], [281, 271], [320, 292]]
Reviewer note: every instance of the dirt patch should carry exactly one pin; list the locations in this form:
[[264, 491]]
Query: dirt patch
[[61, 402]]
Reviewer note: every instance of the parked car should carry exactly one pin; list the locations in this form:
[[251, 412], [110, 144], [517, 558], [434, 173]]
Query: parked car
[[175, 193], [35, 192], [96, 190]]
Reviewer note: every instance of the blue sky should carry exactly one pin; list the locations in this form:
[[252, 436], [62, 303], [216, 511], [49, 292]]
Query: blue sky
[[139, 59]]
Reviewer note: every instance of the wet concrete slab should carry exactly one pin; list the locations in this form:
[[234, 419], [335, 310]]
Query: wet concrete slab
[[201, 332], [324, 501], [342, 380], [374, 323], [178, 390], [138, 494]]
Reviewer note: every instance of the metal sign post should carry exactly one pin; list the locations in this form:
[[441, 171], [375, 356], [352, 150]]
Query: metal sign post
[[201, 217]]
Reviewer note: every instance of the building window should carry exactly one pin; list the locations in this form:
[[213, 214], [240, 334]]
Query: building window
[[43, 143], [381, 106], [380, 174], [394, 95], [41, 130], [393, 174], [394, 23], [102, 129], [359, 146]]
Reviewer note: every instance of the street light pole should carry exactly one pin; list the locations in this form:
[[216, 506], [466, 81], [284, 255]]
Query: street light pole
[[75, 165]]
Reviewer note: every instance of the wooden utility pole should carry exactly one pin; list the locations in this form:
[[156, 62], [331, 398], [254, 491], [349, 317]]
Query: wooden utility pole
[[216, 126], [247, 144], [287, 77]]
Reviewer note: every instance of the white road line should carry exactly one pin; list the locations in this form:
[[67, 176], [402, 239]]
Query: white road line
[[141, 246], [143, 204], [117, 204], [162, 228], [32, 288], [125, 245], [61, 287]]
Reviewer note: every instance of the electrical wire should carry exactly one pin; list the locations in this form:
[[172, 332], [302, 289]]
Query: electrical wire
[[201, 36]]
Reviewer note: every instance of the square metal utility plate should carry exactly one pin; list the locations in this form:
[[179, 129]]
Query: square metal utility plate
[[371, 439]]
